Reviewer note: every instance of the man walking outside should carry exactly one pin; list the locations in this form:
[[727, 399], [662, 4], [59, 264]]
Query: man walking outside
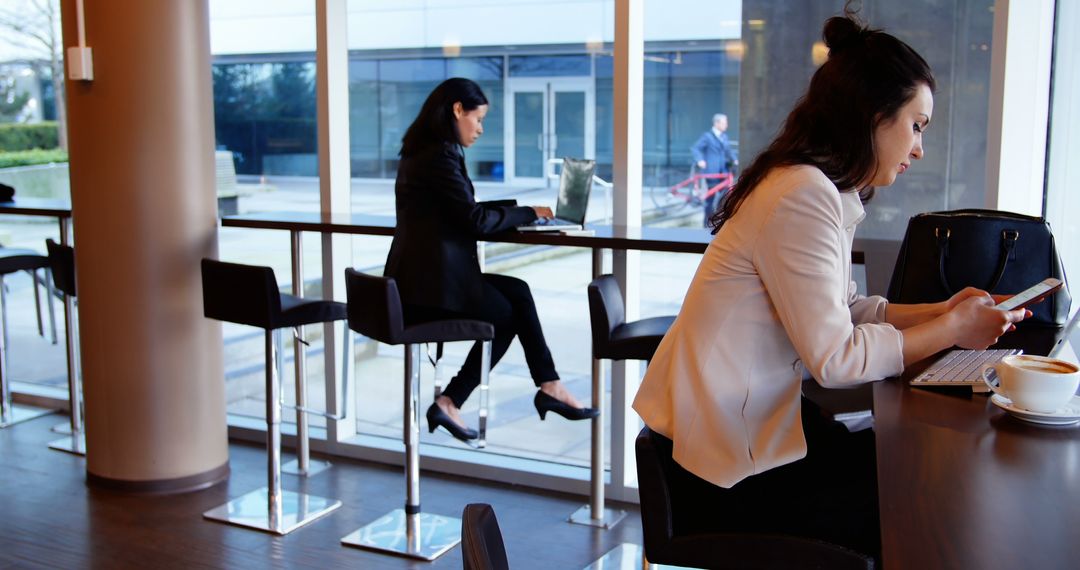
[[713, 155]]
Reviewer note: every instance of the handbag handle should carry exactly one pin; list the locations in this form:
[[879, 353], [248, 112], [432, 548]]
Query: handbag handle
[[1008, 244]]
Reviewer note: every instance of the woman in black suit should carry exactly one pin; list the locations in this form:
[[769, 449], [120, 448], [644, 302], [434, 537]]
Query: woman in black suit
[[433, 255]]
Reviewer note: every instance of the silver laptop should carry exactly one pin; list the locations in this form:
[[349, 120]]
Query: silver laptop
[[963, 367], [574, 186]]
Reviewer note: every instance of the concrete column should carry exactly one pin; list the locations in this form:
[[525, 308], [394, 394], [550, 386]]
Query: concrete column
[[141, 139]]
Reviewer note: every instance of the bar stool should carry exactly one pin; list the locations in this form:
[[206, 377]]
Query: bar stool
[[43, 281], [375, 311], [62, 265], [249, 295], [613, 339], [13, 260]]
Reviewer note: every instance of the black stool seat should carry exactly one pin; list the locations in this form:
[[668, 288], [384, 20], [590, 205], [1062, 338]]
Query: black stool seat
[[249, 295], [446, 331], [17, 259], [613, 337], [636, 340], [296, 311], [375, 311]]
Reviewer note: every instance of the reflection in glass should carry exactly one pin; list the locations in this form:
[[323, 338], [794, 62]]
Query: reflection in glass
[[569, 124], [528, 134]]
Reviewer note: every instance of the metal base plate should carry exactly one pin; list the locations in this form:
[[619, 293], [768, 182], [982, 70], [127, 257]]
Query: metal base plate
[[626, 556], [421, 536], [70, 444], [20, 413], [252, 511], [315, 466], [62, 429], [607, 519]]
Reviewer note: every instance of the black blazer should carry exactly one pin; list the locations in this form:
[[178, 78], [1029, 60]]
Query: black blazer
[[433, 255]]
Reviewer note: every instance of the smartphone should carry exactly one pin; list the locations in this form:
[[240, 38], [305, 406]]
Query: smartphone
[[1031, 295]]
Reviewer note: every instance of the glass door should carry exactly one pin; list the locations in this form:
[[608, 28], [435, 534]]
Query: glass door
[[548, 118]]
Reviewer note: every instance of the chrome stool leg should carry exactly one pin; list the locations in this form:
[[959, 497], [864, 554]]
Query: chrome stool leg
[[485, 378], [409, 532], [65, 427], [595, 513], [436, 363], [76, 440], [10, 413], [51, 295], [37, 303], [303, 465], [270, 509]]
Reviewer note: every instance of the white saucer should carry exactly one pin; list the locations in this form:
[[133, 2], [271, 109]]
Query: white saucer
[[1067, 415]]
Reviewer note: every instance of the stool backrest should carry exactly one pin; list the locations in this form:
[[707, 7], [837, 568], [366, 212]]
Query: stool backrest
[[606, 310], [237, 293], [374, 306], [62, 264], [481, 540]]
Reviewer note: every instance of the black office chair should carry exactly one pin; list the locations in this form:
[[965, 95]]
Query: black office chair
[[667, 544], [249, 295], [613, 337], [375, 311], [13, 260], [481, 540]]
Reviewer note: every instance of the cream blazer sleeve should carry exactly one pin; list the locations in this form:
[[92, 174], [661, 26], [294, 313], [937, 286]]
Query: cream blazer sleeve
[[801, 259], [865, 309]]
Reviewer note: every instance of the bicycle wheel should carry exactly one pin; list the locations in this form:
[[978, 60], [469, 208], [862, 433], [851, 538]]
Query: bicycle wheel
[[666, 200]]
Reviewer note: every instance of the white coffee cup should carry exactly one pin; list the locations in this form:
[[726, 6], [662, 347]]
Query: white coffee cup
[[1035, 383]]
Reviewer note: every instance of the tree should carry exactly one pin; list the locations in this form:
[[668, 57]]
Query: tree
[[34, 25], [11, 103]]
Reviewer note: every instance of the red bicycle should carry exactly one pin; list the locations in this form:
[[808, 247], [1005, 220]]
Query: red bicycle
[[693, 191]]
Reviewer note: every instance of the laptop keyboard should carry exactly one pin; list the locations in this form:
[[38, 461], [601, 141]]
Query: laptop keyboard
[[960, 367], [552, 222]]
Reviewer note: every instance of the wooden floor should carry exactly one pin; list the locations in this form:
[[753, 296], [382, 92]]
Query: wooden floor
[[49, 518]]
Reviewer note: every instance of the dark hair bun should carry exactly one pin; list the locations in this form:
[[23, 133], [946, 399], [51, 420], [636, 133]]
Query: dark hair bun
[[842, 32]]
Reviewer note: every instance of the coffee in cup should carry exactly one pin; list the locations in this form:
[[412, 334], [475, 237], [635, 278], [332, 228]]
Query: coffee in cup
[[1036, 383]]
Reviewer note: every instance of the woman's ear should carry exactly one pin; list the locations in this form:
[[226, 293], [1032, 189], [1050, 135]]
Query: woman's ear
[[459, 110]]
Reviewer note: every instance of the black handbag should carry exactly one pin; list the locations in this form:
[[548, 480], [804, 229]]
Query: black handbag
[[999, 252]]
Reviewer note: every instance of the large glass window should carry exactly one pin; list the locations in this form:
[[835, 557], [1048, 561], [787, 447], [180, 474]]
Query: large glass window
[[1062, 205], [542, 107], [266, 157], [758, 71], [549, 79], [33, 161]]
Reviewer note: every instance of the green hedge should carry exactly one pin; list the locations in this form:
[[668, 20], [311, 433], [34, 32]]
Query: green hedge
[[18, 136], [31, 157]]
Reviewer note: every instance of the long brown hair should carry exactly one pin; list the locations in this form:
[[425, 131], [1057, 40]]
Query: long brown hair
[[867, 78]]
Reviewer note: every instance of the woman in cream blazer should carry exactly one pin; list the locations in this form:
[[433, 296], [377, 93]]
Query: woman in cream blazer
[[773, 300]]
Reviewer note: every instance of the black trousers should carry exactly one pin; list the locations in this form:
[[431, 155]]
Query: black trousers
[[508, 305], [830, 495]]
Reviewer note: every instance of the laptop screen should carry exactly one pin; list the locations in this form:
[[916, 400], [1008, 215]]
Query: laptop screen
[[574, 187]]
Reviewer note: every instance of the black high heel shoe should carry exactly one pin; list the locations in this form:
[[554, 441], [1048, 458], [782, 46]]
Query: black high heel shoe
[[545, 403], [438, 418]]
